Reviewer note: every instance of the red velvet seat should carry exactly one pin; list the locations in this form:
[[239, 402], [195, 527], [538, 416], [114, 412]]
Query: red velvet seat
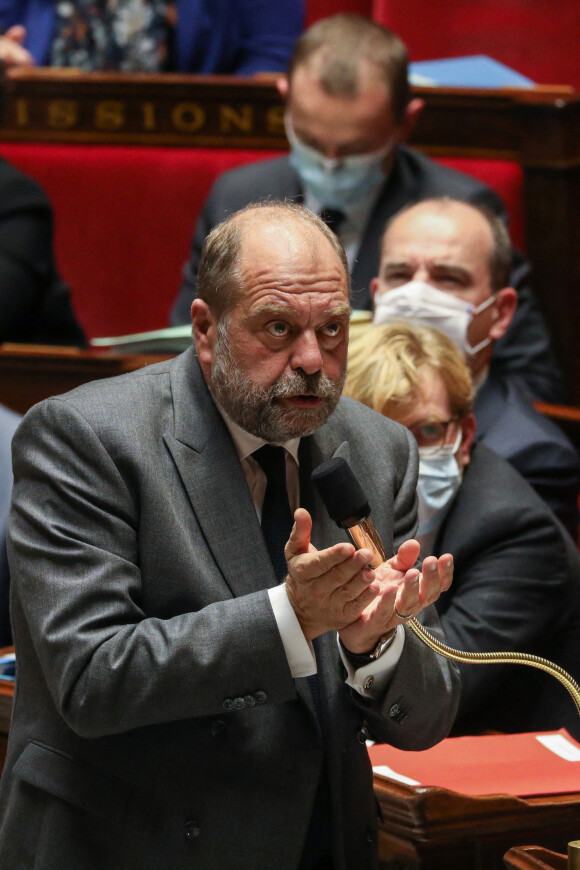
[[536, 37], [125, 215]]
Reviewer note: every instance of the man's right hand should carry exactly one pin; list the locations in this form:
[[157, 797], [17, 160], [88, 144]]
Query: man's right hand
[[328, 589], [11, 51]]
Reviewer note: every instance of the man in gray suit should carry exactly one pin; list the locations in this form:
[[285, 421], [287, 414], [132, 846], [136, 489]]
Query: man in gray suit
[[349, 114], [177, 705]]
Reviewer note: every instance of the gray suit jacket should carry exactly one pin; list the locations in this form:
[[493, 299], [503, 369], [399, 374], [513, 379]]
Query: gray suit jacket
[[524, 351], [156, 721]]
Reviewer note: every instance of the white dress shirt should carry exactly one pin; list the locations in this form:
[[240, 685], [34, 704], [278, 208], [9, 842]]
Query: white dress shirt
[[368, 680]]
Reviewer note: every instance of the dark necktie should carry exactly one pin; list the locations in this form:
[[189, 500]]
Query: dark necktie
[[277, 517], [333, 218], [277, 521]]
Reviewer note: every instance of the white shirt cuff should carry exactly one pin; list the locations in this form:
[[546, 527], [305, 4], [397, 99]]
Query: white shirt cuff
[[299, 652], [371, 680]]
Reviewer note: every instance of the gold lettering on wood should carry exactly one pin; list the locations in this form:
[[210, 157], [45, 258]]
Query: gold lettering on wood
[[62, 114], [109, 115], [21, 113], [188, 117], [275, 120], [149, 120], [234, 119]]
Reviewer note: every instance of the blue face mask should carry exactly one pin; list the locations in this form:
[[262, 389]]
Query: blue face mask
[[336, 183], [439, 480]]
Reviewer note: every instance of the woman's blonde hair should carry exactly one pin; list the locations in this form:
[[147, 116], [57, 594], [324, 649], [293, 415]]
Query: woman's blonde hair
[[385, 368]]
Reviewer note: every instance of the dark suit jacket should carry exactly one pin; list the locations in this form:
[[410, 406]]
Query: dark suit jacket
[[212, 36], [516, 587], [524, 351], [35, 304], [156, 721], [509, 424]]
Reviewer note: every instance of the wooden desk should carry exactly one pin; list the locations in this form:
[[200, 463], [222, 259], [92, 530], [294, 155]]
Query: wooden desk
[[30, 373], [435, 829], [534, 858]]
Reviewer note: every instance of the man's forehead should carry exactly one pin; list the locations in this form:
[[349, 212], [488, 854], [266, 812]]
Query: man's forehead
[[454, 228]]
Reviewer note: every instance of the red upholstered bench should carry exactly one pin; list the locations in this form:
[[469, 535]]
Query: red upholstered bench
[[124, 218]]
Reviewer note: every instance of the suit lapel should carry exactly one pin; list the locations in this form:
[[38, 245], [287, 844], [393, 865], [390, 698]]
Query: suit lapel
[[208, 464]]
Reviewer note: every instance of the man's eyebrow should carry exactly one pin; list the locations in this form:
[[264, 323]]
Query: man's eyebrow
[[274, 308], [396, 264], [451, 268]]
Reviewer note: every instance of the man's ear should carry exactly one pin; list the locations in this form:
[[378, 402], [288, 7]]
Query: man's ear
[[468, 430], [412, 113], [373, 287], [283, 86], [204, 332], [506, 302]]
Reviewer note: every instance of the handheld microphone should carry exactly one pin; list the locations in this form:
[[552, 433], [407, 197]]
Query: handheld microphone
[[346, 503]]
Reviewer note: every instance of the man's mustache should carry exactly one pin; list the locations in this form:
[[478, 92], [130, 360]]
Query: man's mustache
[[299, 383]]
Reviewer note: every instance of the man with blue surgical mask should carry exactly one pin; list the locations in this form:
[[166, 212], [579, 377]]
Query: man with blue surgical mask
[[349, 113], [445, 264], [517, 572]]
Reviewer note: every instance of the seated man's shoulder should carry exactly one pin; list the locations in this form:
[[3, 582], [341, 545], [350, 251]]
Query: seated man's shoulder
[[252, 181], [435, 179], [18, 190], [517, 425]]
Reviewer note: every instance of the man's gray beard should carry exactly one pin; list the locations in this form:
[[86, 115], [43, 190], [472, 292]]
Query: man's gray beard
[[257, 409]]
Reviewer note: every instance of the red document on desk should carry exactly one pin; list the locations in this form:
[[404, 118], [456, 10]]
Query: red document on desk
[[517, 764]]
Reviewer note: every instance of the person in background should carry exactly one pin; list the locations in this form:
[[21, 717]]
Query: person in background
[[238, 37], [35, 304], [349, 113], [201, 653], [446, 264], [516, 585]]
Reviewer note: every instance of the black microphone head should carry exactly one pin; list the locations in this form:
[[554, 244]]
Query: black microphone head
[[341, 492]]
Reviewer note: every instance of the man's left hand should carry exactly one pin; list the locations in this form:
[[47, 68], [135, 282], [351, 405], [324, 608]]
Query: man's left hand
[[405, 592]]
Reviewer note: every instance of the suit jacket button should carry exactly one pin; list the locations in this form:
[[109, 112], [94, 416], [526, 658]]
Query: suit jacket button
[[239, 703], [394, 711], [218, 727], [260, 697], [250, 700], [371, 836], [191, 829], [228, 704], [363, 734]]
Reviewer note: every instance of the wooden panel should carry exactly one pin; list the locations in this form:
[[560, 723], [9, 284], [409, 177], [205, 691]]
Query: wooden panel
[[30, 373], [428, 828], [535, 858]]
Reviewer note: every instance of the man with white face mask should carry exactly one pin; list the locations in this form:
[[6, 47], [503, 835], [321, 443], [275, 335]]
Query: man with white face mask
[[445, 264], [349, 113], [517, 573]]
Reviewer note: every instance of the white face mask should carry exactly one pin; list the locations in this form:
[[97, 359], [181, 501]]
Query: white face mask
[[419, 303], [439, 480], [336, 183]]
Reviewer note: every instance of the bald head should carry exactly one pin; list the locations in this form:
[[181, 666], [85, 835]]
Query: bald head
[[467, 230], [258, 227]]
